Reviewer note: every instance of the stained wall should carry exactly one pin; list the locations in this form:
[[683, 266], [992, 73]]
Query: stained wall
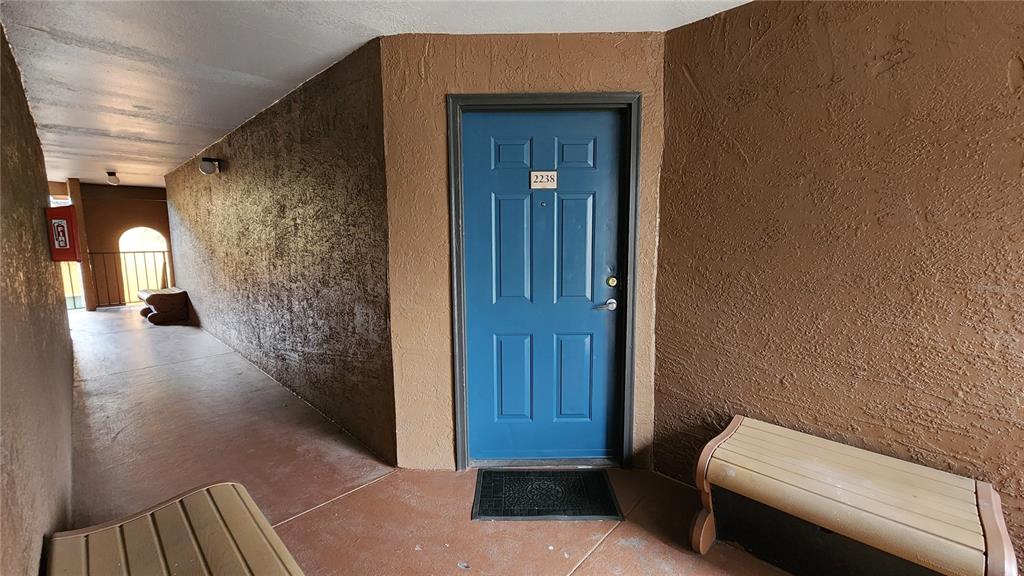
[[842, 233], [35, 345], [284, 253], [418, 71]]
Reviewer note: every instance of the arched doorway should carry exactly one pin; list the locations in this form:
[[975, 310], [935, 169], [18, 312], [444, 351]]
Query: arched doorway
[[144, 261], [142, 239]]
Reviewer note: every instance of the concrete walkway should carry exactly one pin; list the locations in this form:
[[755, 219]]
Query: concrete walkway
[[159, 410]]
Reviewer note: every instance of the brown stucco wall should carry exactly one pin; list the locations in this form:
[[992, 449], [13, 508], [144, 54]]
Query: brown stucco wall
[[842, 233], [284, 253], [35, 346], [418, 72], [111, 210]]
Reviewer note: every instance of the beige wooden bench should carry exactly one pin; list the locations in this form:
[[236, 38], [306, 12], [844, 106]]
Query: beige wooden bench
[[946, 523], [216, 530], [164, 305]]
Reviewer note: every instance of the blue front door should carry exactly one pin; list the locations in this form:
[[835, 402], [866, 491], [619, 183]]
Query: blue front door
[[543, 354]]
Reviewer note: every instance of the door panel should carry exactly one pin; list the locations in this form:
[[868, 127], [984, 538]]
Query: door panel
[[574, 368], [511, 224], [543, 361], [574, 272], [513, 376]]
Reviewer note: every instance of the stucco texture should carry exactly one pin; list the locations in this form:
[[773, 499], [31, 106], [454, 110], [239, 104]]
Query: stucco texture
[[418, 72], [35, 346], [284, 253], [842, 233]]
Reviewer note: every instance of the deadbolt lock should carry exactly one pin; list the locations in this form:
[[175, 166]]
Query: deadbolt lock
[[612, 281]]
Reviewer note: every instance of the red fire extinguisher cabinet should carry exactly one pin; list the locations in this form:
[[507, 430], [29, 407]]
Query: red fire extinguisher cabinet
[[63, 235]]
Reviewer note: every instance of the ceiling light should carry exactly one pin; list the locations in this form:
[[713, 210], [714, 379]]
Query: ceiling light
[[209, 165], [112, 178]]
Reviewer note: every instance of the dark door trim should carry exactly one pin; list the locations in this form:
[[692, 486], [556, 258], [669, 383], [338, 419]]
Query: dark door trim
[[457, 105]]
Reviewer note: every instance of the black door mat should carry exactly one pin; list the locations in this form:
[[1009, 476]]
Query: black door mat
[[544, 495]]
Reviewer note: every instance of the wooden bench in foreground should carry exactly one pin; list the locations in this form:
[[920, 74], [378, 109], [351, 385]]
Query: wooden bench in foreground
[[216, 530], [845, 510]]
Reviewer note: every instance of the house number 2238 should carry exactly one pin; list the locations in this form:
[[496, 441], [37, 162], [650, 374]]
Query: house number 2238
[[543, 179]]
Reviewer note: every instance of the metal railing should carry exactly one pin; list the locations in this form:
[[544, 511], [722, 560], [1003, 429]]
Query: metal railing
[[120, 275], [71, 277]]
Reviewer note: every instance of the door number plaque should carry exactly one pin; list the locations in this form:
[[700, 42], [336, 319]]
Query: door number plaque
[[540, 179]]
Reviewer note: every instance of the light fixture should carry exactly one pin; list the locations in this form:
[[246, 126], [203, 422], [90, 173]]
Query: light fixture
[[112, 178], [209, 165]]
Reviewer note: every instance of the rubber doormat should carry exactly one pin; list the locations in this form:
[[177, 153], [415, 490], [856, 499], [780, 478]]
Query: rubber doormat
[[544, 495]]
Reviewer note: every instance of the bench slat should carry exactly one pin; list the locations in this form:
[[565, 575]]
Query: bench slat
[[219, 548], [143, 548], [106, 553], [68, 558], [870, 458], [880, 486], [911, 520], [179, 543], [929, 550], [254, 546], [268, 531], [867, 469]]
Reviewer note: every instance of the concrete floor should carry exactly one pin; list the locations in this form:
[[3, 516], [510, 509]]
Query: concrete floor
[[159, 410]]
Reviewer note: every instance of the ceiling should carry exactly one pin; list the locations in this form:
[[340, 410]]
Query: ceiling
[[140, 87]]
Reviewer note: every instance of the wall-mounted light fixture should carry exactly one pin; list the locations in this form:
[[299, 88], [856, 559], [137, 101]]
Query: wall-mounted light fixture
[[209, 165], [112, 178]]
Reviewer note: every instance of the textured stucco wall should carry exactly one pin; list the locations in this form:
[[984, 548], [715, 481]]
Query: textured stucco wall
[[842, 233], [418, 72], [110, 210], [284, 253], [35, 346]]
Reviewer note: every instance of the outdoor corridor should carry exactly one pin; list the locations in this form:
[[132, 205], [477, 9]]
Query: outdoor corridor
[[160, 410]]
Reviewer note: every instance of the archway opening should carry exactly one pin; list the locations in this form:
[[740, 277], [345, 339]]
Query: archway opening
[[142, 239], [144, 261]]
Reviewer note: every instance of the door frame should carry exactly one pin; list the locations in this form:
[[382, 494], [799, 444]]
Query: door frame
[[457, 104]]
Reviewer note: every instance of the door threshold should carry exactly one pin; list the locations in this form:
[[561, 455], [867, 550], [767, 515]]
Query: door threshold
[[565, 463]]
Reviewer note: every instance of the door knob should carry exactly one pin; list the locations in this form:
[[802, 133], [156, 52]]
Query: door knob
[[609, 304]]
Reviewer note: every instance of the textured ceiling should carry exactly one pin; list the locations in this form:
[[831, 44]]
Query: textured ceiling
[[139, 87]]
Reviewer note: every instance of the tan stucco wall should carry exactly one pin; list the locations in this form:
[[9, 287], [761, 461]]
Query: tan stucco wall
[[418, 72], [35, 346], [842, 233], [284, 253]]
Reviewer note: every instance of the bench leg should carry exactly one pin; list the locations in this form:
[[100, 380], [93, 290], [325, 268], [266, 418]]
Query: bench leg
[[702, 535]]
